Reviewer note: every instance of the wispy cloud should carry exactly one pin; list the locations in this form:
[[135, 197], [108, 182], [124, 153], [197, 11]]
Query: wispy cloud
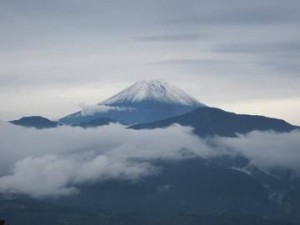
[[191, 62], [252, 13], [283, 47], [171, 38], [88, 110]]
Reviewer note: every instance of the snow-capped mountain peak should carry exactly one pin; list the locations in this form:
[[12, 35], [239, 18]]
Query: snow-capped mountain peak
[[152, 90], [142, 102]]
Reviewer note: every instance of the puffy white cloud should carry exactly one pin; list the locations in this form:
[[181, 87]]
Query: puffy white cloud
[[55, 162], [267, 150], [53, 175]]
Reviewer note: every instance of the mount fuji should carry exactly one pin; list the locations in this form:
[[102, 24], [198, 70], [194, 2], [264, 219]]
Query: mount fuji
[[144, 101], [220, 190]]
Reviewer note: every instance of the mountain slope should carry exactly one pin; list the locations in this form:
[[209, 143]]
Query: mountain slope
[[142, 102], [28, 212], [194, 191], [208, 121], [35, 122], [183, 192], [195, 186]]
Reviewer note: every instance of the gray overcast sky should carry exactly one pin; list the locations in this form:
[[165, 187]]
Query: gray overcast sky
[[240, 55]]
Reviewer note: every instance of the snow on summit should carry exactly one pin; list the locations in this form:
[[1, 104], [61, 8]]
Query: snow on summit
[[142, 102], [153, 90]]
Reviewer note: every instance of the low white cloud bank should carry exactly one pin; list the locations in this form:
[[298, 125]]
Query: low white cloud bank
[[92, 109], [54, 162], [267, 150]]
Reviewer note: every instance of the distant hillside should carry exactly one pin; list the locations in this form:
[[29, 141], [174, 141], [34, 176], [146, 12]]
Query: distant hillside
[[208, 121], [35, 122]]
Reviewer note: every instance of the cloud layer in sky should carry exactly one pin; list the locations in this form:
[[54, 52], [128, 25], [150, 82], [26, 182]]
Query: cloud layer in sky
[[57, 161]]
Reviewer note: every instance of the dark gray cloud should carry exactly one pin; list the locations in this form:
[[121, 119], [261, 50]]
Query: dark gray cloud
[[286, 48], [192, 62], [281, 57], [238, 12], [242, 16], [171, 37]]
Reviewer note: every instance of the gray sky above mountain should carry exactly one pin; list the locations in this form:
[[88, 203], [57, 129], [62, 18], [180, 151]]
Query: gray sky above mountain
[[242, 56]]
